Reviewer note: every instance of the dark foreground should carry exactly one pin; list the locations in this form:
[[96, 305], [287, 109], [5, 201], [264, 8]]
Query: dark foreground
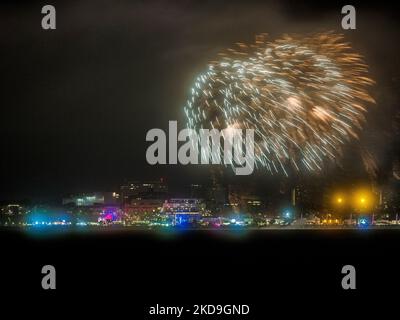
[[273, 271]]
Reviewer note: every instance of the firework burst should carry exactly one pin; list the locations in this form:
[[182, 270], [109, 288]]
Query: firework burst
[[305, 97]]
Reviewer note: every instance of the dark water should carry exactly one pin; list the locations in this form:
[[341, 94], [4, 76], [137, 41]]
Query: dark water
[[109, 270]]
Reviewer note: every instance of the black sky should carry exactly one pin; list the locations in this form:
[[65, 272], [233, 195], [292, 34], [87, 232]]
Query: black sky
[[76, 102]]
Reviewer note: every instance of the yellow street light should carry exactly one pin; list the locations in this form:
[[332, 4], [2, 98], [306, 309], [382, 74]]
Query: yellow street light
[[338, 199], [363, 200]]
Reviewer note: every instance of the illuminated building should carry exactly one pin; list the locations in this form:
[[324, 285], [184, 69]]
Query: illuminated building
[[184, 210], [142, 200], [11, 214], [92, 199], [243, 199], [13, 210], [141, 210], [216, 197], [389, 200], [307, 198], [144, 206], [137, 190]]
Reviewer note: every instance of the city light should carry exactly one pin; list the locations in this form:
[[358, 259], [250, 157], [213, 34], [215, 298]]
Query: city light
[[363, 200], [349, 207], [339, 200]]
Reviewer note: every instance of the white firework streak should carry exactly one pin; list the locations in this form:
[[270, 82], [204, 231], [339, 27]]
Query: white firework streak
[[305, 97]]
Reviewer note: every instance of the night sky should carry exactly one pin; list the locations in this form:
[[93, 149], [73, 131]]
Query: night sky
[[77, 102]]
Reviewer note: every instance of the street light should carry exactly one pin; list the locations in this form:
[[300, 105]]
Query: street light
[[339, 203], [338, 199], [363, 202]]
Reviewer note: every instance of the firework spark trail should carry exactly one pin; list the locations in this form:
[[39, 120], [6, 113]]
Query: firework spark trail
[[305, 97]]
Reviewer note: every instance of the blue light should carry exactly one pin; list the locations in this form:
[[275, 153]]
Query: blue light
[[363, 222]]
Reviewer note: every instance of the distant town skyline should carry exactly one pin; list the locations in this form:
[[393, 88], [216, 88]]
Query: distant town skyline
[[76, 109]]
